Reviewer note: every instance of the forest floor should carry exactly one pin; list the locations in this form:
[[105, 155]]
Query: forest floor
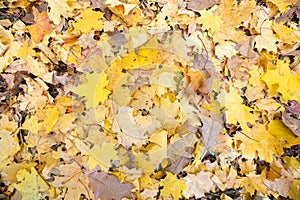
[[149, 99]]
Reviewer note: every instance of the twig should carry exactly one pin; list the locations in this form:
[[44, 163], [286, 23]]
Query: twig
[[205, 51]]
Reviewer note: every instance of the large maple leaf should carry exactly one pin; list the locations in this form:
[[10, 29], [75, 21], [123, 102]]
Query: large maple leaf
[[41, 26]]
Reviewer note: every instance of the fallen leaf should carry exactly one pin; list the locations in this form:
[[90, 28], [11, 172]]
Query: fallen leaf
[[98, 154], [295, 192], [90, 21], [172, 186], [9, 146], [41, 26], [266, 40], [93, 89], [31, 185], [294, 107], [210, 131], [282, 5], [291, 122], [252, 183], [210, 21], [198, 5], [198, 184], [61, 8], [108, 187]]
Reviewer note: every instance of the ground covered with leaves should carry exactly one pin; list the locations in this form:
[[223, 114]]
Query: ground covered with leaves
[[149, 99]]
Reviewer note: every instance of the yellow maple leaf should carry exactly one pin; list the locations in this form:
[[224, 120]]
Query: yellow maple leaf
[[232, 14], [282, 5], [145, 58], [27, 49], [127, 6], [101, 156], [143, 162], [294, 166], [94, 89], [253, 182], [286, 34], [283, 134], [41, 27], [9, 146], [8, 47], [74, 53], [295, 190], [237, 112], [8, 125], [90, 21], [288, 84], [43, 121], [210, 21], [50, 118], [266, 142], [31, 185], [172, 186]]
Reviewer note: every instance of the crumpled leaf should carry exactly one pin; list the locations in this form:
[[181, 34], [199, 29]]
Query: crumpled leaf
[[294, 107], [291, 122]]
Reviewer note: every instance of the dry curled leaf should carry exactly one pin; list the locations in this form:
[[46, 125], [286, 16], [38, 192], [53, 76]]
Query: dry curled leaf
[[291, 122]]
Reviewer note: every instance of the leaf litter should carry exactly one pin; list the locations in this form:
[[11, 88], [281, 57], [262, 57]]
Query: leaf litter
[[149, 99]]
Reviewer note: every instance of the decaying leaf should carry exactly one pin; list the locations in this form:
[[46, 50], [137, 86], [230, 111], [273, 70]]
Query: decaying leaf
[[291, 122], [107, 186]]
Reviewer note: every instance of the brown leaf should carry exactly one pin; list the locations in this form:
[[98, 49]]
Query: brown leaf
[[176, 166], [294, 107], [210, 130], [197, 5], [292, 123], [107, 187]]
